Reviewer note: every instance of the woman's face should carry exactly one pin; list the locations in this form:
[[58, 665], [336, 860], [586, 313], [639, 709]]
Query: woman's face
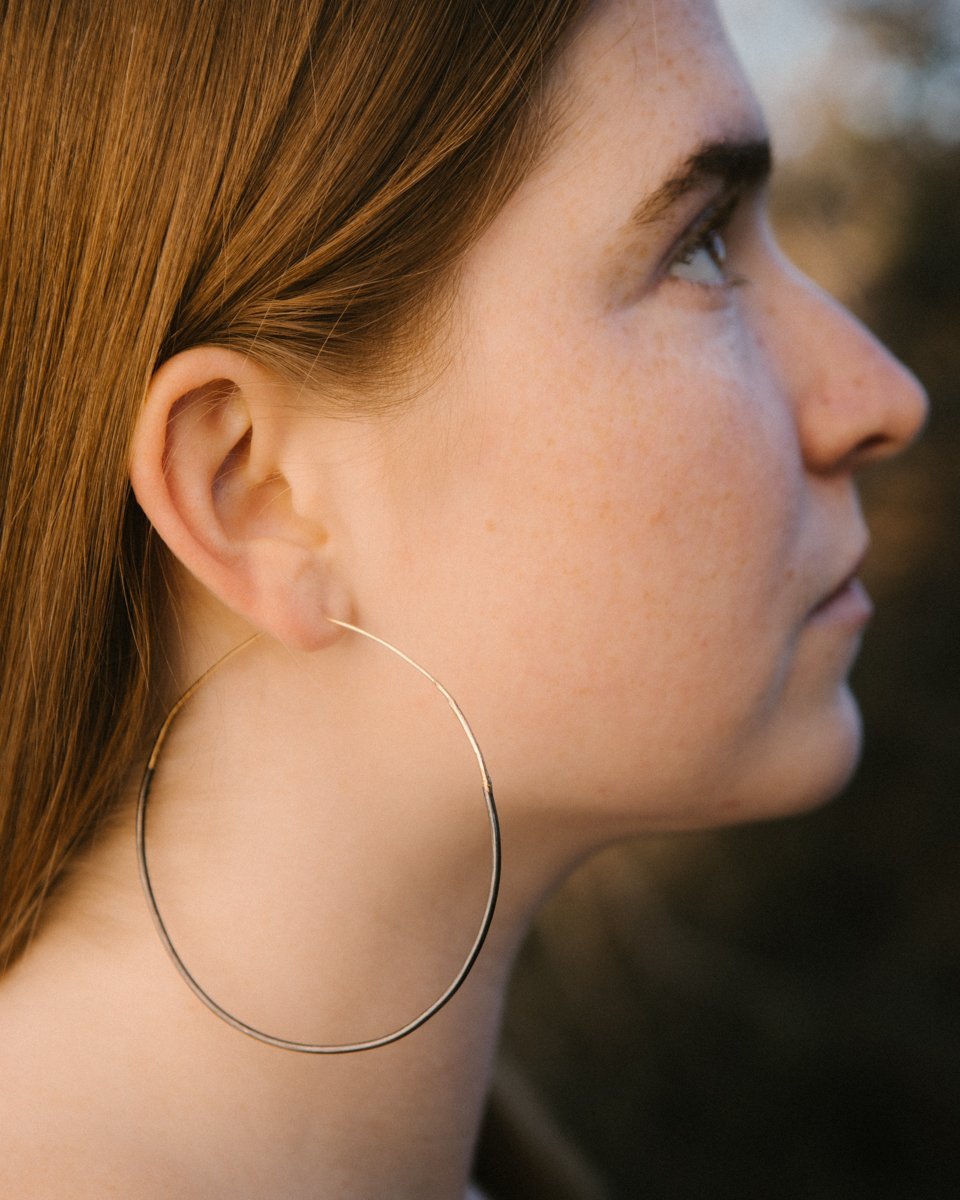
[[623, 519]]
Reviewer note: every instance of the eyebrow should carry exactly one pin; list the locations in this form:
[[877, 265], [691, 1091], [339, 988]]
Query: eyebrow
[[737, 165]]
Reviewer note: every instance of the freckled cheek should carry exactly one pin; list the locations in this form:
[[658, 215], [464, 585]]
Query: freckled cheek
[[640, 555], [697, 508], [649, 471]]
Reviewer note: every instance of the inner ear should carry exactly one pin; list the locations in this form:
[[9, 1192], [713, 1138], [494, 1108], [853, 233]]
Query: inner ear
[[229, 478], [251, 505], [215, 409], [235, 459]]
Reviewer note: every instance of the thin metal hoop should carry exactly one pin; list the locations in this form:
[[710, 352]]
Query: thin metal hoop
[[235, 1022]]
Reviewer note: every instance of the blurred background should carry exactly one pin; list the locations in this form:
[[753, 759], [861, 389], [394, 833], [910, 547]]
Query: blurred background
[[774, 1011]]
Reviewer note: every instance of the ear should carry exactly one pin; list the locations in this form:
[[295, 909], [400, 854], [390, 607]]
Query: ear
[[207, 467]]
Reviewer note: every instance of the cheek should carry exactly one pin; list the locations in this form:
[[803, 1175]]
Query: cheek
[[597, 553], [670, 481], [636, 568], [695, 578]]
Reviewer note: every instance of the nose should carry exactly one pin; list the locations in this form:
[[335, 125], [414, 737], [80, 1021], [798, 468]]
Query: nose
[[854, 402]]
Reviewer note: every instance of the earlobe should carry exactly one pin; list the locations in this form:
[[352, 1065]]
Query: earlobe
[[206, 466]]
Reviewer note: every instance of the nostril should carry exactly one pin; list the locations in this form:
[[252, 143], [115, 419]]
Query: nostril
[[870, 445], [873, 449]]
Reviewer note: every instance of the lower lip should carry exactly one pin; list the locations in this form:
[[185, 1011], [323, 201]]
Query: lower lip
[[849, 606]]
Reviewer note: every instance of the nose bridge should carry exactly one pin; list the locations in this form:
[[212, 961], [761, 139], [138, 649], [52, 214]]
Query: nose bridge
[[854, 402]]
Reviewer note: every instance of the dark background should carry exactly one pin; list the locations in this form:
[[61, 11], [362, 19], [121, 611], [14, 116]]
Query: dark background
[[774, 1011]]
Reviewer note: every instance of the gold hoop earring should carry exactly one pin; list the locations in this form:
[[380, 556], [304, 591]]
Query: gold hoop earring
[[229, 1018]]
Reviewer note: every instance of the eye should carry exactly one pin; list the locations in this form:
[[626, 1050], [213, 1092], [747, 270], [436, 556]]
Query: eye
[[702, 257], [704, 262]]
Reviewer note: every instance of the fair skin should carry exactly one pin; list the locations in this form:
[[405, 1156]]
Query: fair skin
[[619, 525]]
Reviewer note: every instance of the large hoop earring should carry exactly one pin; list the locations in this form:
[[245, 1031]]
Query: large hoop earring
[[229, 1018]]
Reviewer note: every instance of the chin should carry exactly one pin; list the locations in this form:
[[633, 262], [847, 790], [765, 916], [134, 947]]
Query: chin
[[803, 767]]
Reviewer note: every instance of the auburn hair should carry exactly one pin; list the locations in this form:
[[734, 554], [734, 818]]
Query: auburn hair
[[296, 179]]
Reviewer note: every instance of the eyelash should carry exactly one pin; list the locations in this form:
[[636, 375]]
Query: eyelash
[[708, 233]]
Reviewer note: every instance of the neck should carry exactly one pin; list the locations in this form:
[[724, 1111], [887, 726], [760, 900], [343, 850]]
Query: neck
[[134, 1078], [314, 900]]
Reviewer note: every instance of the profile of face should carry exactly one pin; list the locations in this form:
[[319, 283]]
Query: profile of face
[[632, 491], [620, 521]]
